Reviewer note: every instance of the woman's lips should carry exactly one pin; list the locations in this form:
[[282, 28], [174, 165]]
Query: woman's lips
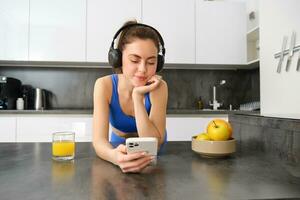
[[141, 78]]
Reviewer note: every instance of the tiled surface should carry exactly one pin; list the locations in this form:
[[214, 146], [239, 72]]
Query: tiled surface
[[73, 87]]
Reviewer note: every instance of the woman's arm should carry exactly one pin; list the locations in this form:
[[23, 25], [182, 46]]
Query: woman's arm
[[153, 125], [100, 121]]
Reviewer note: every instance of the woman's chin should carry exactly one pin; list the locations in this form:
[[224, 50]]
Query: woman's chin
[[138, 83]]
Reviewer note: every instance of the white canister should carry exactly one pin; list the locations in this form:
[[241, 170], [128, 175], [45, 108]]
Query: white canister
[[20, 104]]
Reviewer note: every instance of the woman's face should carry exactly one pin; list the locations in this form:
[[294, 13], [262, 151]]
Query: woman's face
[[139, 60]]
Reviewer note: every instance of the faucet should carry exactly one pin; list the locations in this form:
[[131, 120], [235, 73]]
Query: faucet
[[215, 104]]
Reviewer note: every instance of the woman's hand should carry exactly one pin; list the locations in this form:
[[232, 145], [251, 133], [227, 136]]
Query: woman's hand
[[151, 85], [134, 162]]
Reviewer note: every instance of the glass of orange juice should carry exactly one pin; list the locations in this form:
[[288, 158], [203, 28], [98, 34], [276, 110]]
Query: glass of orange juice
[[63, 146]]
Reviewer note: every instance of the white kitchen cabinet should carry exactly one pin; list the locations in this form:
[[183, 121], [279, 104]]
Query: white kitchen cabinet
[[40, 128], [220, 32], [252, 31], [183, 128], [104, 18], [14, 20], [175, 20], [8, 129], [252, 14], [57, 30], [279, 92]]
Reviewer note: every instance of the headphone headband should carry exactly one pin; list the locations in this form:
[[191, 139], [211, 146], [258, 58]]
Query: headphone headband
[[115, 55], [161, 41]]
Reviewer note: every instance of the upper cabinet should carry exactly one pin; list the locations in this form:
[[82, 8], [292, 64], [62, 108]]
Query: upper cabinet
[[252, 31], [175, 20], [252, 14], [57, 30], [220, 32], [14, 20], [104, 18], [194, 31]]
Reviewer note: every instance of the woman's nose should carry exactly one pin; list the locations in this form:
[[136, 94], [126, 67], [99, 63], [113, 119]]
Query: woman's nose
[[142, 67]]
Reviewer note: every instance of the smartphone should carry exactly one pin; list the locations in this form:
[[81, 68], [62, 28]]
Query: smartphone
[[138, 144], [145, 144]]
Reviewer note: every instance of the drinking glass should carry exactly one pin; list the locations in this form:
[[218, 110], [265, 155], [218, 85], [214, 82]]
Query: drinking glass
[[63, 146]]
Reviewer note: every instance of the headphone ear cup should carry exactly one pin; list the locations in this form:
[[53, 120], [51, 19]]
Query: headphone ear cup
[[115, 57], [160, 62]]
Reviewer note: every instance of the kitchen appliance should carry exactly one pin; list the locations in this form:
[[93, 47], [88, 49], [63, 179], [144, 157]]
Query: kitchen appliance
[[39, 99], [27, 95], [10, 90]]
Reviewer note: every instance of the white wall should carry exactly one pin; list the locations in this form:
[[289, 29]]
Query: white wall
[[280, 92]]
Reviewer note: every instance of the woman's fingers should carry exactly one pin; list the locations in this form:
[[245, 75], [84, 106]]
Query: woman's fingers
[[122, 148], [151, 85], [155, 77], [133, 156], [154, 84], [138, 165]]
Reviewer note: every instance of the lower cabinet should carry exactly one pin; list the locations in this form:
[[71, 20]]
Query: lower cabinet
[[7, 129], [183, 128], [40, 128]]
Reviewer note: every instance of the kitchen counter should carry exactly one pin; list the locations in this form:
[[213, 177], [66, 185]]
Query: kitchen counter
[[169, 112], [28, 172]]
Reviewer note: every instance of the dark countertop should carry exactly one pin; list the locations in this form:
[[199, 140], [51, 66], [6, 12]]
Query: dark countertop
[[27, 172], [169, 112]]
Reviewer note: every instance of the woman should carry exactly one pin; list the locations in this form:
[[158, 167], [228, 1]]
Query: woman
[[134, 100]]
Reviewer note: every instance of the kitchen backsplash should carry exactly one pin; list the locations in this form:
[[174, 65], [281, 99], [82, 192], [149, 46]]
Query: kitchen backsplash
[[72, 88]]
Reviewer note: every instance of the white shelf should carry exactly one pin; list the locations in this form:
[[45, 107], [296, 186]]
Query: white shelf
[[252, 43], [253, 34], [253, 62]]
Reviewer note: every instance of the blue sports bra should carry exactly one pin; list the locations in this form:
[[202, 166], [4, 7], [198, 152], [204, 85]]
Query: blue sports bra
[[117, 117]]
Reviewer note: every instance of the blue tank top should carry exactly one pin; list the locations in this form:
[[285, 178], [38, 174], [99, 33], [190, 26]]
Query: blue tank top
[[117, 117]]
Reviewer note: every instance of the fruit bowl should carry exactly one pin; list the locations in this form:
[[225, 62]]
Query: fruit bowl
[[214, 149]]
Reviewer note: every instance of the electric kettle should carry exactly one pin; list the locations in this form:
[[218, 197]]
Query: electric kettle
[[39, 99]]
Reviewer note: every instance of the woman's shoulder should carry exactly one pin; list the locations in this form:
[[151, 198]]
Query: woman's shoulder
[[103, 87], [162, 87], [103, 81], [161, 92]]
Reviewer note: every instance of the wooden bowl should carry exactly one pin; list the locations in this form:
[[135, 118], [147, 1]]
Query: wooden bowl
[[213, 149]]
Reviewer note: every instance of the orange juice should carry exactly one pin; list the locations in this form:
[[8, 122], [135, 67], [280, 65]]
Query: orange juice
[[63, 148]]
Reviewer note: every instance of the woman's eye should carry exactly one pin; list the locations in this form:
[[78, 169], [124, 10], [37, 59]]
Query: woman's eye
[[134, 61], [151, 63]]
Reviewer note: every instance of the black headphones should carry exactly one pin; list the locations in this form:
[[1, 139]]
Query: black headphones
[[115, 55]]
